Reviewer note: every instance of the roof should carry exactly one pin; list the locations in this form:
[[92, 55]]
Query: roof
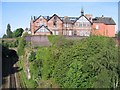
[[83, 16], [38, 18], [41, 27], [68, 19], [105, 20], [55, 15]]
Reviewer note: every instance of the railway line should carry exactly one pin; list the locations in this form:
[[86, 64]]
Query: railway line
[[12, 81]]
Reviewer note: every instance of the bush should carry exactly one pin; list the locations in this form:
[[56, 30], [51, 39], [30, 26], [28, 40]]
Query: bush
[[90, 63], [32, 56], [26, 34], [10, 43], [21, 46], [119, 34], [60, 41], [86, 63]]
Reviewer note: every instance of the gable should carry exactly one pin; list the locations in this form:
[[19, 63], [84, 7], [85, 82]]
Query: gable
[[82, 19], [38, 19], [43, 29], [57, 18]]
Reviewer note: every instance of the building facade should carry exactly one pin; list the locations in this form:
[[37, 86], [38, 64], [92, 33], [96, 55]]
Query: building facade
[[84, 25]]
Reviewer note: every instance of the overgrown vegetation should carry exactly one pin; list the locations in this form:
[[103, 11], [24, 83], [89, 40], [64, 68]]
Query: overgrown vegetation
[[87, 63], [10, 43], [92, 62], [118, 34], [32, 56], [21, 46]]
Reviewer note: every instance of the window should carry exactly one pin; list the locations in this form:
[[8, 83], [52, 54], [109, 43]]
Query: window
[[66, 25], [55, 21], [80, 24], [77, 24], [89, 25], [97, 27], [44, 24], [84, 24], [41, 22], [55, 32], [37, 23]]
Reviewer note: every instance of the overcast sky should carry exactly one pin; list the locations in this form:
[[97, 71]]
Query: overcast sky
[[18, 14]]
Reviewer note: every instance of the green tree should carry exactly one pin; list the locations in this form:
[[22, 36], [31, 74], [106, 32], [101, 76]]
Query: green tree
[[26, 34], [8, 31], [4, 36], [18, 32], [119, 34], [89, 63]]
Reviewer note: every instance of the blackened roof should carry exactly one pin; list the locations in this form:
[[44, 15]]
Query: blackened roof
[[105, 20]]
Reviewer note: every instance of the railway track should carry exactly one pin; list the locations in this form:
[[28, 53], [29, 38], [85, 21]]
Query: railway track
[[12, 81], [12, 78]]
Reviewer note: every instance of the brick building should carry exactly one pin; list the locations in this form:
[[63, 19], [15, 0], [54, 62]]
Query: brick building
[[84, 25]]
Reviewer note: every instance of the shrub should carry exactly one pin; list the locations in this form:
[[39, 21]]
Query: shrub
[[21, 46], [32, 56]]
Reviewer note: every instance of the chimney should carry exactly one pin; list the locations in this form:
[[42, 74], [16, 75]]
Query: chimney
[[65, 17], [34, 17], [47, 17], [31, 18], [82, 12], [102, 16]]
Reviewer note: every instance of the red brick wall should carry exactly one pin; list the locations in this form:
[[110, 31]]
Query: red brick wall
[[104, 30], [58, 27], [36, 24]]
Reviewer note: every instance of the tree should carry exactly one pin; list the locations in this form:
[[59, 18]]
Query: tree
[[90, 63], [4, 36], [18, 32], [26, 34], [119, 34], [9, 32]]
